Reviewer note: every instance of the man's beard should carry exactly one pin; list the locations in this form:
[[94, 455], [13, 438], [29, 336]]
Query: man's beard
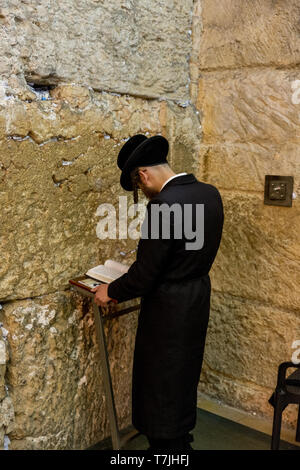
[[149, 193]]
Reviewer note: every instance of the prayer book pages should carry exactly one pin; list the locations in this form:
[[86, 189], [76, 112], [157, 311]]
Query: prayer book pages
[[107, 272]]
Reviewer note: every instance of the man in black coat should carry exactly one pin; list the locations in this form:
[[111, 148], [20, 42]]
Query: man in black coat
[[180, 239]]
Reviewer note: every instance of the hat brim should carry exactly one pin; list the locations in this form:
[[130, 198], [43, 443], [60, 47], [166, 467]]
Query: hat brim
[[152, 151], [128, 148]]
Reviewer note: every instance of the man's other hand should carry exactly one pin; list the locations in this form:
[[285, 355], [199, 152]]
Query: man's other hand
[[101, 297]]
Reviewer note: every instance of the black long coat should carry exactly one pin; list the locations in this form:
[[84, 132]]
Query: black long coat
[[174, 287]]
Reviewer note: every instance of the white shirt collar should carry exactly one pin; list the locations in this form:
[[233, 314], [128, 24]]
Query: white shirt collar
[[169, 179]]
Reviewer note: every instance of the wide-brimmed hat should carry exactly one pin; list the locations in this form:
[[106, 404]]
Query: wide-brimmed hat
[[141, 151]]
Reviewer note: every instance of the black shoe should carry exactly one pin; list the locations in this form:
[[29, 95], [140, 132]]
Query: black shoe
[[189, 437], [178, 444]]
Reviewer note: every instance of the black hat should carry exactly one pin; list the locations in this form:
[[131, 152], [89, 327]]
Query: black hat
[[141, 151]]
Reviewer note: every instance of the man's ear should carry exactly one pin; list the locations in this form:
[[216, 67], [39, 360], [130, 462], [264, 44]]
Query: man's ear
[[143, 176]]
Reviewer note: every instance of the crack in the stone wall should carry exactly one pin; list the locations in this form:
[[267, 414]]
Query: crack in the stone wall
[[258, 302], [41, 89], [30, 136], [255, 301], [272, 65], [39, 296]]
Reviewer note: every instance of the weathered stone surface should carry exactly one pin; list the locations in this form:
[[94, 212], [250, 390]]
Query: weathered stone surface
[[259, 254], [182, 128], [253, 106], [248, 33], [126, 46], [7, 415], [194, 55], [246, 341], [70, 111], [3, 360], [243, 166], [54, 372], [6, 406], [57, 175], [250, 397], [2, 389]]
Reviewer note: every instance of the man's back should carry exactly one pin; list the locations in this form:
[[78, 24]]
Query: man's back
[[197, 211], [161, 259]]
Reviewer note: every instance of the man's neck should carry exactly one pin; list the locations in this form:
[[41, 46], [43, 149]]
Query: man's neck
[[171, 177], [165, 178]]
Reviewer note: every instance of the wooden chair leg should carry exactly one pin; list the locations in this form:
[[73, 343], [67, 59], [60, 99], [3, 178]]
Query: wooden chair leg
[[298, 426], [278, 408]]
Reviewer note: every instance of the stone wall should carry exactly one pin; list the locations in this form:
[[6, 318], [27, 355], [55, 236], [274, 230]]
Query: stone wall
[[248, 63], [55, 173], [127, 46], [76, 80]]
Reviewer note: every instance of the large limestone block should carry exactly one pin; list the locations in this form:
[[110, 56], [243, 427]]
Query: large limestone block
[[58, 164], [72, 110], [126, 46], [253, 106], [248, 33], [247, 340], [54, 374], [49, 234], [259, 256], [243, 166], [245, 343]]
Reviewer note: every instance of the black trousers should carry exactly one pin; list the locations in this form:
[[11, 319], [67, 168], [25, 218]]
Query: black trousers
[[181, 443]]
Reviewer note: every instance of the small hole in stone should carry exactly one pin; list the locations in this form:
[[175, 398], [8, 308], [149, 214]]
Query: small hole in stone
[[40, 87], [41, 90]]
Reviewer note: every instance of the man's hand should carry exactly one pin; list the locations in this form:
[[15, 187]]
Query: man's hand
[[101, 297]]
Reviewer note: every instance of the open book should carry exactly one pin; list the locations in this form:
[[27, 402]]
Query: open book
[[107, 272]]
